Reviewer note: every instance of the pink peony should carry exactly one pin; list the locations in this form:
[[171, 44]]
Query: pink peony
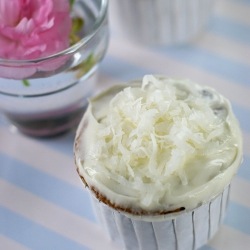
[[31, 29]]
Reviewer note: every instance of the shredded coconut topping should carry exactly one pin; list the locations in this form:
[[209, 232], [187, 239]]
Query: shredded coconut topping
[[162, 136]]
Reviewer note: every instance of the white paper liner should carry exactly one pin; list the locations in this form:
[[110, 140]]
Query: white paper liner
[[161, 21], [185, 231]]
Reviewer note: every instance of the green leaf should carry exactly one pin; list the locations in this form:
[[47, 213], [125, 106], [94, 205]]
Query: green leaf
[[77, 25], [71, 2], [85, 66], [26, 83]]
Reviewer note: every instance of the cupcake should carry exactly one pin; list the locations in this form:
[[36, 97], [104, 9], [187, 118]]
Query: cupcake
[[164, 22], [158, 156]]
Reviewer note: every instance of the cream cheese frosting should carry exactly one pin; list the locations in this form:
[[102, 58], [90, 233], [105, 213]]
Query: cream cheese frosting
[[158, 144]]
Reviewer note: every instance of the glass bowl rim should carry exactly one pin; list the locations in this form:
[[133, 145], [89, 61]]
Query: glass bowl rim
[[71, 49]]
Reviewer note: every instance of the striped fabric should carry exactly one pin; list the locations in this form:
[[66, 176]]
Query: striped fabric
[[42, 202]]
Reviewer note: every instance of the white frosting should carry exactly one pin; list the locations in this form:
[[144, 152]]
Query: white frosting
[[159, 144]]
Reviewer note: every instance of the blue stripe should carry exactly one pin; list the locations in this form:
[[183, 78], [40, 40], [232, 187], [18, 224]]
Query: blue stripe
[[241, 1], [3, 121], [33, 235], [200, 58], [243, 115], [206, 247], [74, 199], [244, 170], [238, 217], [122, 70], [63, 143], [231, 29], [210, 62]]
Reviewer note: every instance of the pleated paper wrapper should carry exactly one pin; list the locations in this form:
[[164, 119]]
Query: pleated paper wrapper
[[184, 231], [164, 22]]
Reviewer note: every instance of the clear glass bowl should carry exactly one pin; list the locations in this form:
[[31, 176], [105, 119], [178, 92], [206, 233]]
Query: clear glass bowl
[[58, 85]]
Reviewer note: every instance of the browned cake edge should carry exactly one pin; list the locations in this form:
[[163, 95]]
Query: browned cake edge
[[102, 198]]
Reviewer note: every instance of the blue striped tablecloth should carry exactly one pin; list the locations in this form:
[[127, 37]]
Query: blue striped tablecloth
[[42, 202]]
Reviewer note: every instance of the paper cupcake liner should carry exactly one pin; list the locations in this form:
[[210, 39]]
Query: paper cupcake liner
[[185, 231], [161, 21]]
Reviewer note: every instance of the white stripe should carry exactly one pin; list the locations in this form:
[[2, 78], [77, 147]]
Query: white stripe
[[142, 57], [228, 238], [53, 217], [238, 191], [229, 49], [8, 244], [233, 10]]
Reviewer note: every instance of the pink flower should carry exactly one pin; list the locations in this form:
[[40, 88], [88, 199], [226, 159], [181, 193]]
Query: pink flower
[[32, 29]]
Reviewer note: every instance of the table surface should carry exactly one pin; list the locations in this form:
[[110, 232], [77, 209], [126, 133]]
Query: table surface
[[43, 204]]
